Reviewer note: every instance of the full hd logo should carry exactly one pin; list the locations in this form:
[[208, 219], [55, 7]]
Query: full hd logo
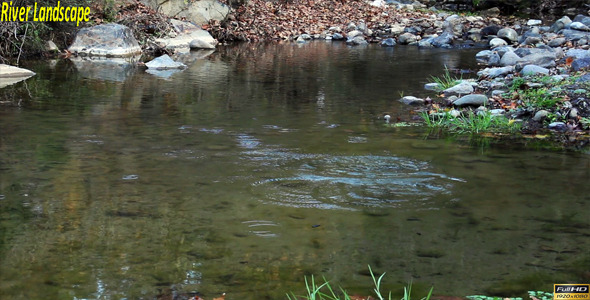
[[571, 291]]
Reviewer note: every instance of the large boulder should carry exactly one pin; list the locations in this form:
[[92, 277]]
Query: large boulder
[[198, 12], [110, 40]]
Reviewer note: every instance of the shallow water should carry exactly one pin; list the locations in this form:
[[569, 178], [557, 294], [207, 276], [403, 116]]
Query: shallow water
[[262, 164]]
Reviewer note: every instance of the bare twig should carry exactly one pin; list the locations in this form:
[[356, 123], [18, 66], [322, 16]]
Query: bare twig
[[20, 50]]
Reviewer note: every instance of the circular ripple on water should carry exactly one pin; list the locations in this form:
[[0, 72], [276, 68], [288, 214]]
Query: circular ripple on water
[[352, 182]]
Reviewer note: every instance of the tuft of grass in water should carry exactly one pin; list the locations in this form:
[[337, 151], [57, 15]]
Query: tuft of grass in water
[[325, 291], [471, 123], [446, 80]]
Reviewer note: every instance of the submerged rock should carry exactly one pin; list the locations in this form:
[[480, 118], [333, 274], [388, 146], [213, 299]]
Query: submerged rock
[[411, 100], [164, 62]]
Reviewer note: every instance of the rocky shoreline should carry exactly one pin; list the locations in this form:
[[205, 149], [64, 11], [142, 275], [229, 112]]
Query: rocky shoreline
[[522, 56]]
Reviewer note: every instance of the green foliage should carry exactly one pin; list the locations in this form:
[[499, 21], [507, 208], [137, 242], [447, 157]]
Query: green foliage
[[325, 291], [471, 122], [446, 80]]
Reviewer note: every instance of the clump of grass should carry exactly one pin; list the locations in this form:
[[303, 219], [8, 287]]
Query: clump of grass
[[471, 122], [325, 291], [446, 80]]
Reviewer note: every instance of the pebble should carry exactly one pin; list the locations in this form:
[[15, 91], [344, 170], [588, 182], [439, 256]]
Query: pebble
[[559, 126]]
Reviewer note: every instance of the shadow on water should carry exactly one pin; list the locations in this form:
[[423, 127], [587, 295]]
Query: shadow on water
[[261, 164]]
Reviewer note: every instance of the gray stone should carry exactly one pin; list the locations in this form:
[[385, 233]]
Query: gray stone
[[397, 29], [305, 36], [444, 40], [530, 70], [510, 59], [581, 64], [7, 71], [202, 40], [540, 115], [337, 36], [164, 62], [498, 93], [575, 35], [560, 24], [113, 40], [453, 25], [559, 126], [433, 86], [10, 75], [545, 60], [497, 42], [197, 12], [353, 33], [582, 19], [389, 42], [426, 43], [411, 100], [556, 42], [357, 40], [471, 100], [462, 88], [574, 113], [497, 112], [335, 29], [187, 33], [534, 22], [488, 57], [508, 34], [532, 40], [407, 38], [362, 27], [504, 49], [578, 53], [483, 56], [578, 26], [495, 72], [50, 46]]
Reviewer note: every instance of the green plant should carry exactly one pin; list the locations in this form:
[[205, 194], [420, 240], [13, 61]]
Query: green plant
[[325, 291], [446, 81], [474, 123], [585, 123]]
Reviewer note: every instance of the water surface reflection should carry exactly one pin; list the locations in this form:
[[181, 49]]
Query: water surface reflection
[[261, 164]]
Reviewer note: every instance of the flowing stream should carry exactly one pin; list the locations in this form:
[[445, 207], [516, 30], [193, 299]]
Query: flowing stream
[[262, 164]]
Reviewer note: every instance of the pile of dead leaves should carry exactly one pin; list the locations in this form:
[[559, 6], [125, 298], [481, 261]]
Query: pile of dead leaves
[[262, 20]]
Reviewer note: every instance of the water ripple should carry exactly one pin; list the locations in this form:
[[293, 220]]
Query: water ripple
[[350, 182]]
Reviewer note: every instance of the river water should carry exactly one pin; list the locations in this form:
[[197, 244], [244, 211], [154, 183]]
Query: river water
[[261, 164]]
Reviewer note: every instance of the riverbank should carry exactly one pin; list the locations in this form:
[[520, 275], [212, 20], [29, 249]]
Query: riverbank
[[532, 80]]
